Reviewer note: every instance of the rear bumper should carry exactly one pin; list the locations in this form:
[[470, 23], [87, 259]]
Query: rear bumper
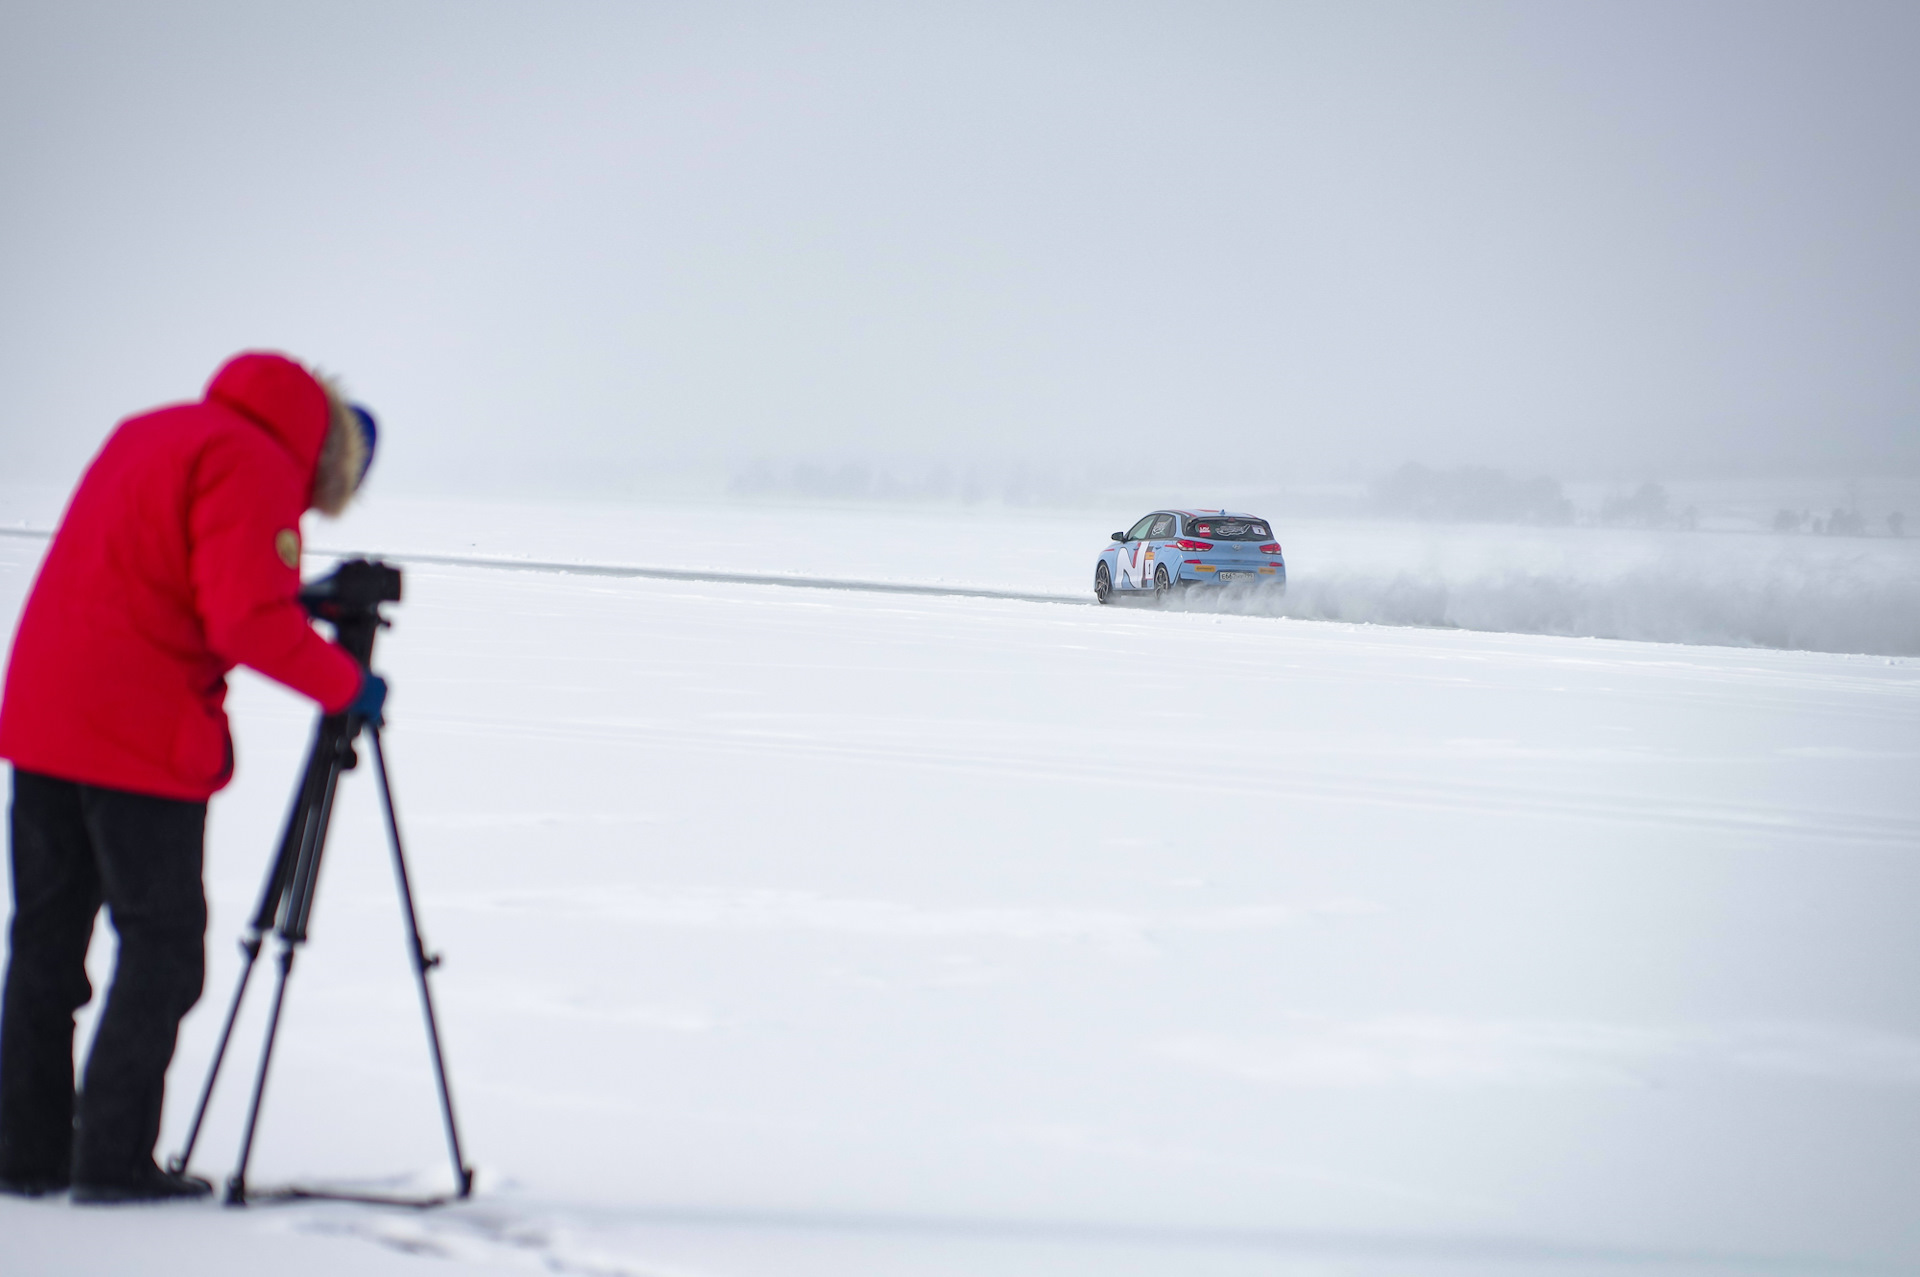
[[1255, 573]]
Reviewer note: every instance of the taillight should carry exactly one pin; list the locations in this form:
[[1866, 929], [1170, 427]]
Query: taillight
[[1193, 545], [1271, 547]]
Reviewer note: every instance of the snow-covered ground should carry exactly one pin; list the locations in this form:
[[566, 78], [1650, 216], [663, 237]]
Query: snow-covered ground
[[797, 932]]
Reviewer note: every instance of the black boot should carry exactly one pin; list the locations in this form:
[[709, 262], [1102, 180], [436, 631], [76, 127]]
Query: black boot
[[32, 1185], [154, 1185]]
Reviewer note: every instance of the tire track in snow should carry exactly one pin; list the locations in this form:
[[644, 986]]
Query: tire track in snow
[[599, 1239], [716, 577], [627, 571]]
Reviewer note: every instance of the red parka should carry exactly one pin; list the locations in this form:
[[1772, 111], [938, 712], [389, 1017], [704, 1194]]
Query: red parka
[[177, 559]]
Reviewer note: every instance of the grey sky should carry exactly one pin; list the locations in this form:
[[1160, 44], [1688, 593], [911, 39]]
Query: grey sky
[[1595, 239]]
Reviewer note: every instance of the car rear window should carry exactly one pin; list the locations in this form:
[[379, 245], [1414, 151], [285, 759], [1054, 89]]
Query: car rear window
[[1231, 529]]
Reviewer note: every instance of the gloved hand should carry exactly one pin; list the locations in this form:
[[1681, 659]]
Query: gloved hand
[[372, 699]]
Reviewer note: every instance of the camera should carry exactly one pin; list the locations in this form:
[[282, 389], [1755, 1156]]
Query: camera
[[356, 587], [349, 598]]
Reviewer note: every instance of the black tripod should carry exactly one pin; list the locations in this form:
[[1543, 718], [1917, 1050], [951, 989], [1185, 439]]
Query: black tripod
[[348, 599]]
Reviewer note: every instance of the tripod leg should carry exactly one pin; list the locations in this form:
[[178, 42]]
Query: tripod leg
[[237, 1186], [307, 800], [298, 874], [272, 893], [422, 963], [251, 947], [333, 754]]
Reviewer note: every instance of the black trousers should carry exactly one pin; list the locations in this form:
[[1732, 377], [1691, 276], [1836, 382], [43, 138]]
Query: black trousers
[[74, 847]]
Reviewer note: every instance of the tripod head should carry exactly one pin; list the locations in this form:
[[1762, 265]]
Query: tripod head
[[349, 598]]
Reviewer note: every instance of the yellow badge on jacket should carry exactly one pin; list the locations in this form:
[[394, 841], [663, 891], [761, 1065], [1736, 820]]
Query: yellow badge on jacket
[[287, 542]]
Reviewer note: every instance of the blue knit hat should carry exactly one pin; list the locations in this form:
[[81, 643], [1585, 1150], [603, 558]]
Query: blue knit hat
[[370, 432]]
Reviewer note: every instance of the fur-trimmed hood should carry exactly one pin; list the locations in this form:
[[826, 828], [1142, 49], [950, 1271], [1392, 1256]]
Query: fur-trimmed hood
[[343, 457], [309, 415]]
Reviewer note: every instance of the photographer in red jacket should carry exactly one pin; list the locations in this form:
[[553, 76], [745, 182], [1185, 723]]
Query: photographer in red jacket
[[177, 559]]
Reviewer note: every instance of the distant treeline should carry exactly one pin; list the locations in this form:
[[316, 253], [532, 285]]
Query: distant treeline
[[1482, 494], [1841, 523], [1467, 494]]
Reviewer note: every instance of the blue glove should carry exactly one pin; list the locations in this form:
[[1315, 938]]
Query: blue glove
[[372, 698]]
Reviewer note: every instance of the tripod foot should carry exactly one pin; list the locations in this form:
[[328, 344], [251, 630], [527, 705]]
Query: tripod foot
[[236, 1192]]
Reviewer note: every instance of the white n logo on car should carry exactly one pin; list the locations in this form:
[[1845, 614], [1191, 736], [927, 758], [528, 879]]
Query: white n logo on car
[[1133, 568]]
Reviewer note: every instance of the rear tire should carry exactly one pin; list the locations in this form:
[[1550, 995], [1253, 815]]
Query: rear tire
[[1162, 586], [1102, 584]]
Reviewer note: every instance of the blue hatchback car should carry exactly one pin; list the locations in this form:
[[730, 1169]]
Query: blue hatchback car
[[1174, 549]]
